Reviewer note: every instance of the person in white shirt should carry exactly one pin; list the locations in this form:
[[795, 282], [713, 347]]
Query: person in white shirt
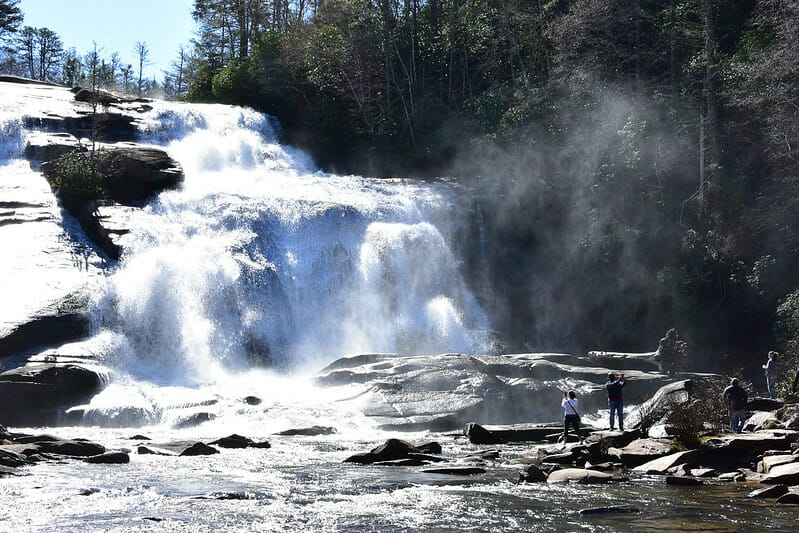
[[570, 416]]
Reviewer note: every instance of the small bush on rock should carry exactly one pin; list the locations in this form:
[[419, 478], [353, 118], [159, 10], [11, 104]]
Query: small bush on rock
[[704, 411], [81, 176]]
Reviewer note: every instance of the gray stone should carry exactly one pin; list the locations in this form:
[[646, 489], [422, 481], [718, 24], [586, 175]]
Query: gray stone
[[580, 475], [39, 394], [741, 449], [662, 464], [198, 448], [789, 498], [770, 461], [532, 474], [775, 491], [477, 434], [391, 450], [642, 451], [109, 458], [71, 447], [194, 420], [787, 474]]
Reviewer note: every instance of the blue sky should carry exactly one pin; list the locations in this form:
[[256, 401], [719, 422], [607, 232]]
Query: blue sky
[[116, 25]]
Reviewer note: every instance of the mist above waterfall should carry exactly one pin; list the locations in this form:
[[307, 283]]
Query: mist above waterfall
[[259, 259]]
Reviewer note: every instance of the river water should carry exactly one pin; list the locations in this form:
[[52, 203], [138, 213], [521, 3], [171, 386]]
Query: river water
[[257, 272]]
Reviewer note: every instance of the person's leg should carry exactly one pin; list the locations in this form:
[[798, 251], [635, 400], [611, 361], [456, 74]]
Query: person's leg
[[770, 385], [566, 428], [612, 416], [620, 407], [740, 421], [732, 421]]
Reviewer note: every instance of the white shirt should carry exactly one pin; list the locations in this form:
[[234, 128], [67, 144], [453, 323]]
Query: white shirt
[[567, 406]]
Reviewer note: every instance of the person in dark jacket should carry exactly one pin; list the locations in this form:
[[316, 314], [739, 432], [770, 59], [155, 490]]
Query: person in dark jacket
[[615, 400], [736, 398]]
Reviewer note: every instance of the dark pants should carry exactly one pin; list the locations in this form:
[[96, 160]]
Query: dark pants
[[571, 420]]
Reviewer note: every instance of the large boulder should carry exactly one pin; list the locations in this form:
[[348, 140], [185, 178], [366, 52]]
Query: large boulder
[[580, 475], [741, 449], [140, 172], [39, 394], [660, 403], [58, 323], [642, 451], [770, 461], [662, 464], [787, 474], [477, 434], [391, 450], [444, 392]]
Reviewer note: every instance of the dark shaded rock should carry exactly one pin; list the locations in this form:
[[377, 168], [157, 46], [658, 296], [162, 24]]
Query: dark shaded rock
[[532, 474], [100, 96], [775, 491], [232, 441], [484, 455], [140, 172], [764, 404], [44, 146], [572, 456], [614, 439], [109, 458], [139, 437], [741, 449], [309, 431], [144, 450], [682, 470], [683, 481], [789, 498], [198, 448], [12, 459], [7, 471], [614, 509], [252, 400], [71, 447], [25, 81], [194, 420], [391, 450], [38, 394], [58, 323], [430, 446], [89, 491], [237, 441], [477, 434], [455, 470], [784, 474]]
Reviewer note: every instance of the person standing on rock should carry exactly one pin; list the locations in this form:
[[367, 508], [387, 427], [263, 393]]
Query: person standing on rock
[[735, 396], [615, 400], [570, 416], [769, 368]]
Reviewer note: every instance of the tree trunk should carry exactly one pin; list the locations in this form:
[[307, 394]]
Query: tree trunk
[[710, 81]]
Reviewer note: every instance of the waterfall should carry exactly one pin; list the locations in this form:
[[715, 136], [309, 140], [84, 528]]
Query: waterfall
[[261, 259]]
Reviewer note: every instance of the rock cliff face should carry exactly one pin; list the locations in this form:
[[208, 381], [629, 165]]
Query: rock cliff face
[[52, 258]]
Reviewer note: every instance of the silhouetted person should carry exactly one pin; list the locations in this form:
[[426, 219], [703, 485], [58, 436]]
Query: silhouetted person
[[735, 396], [770, 369], [615, 400], [570, 416]]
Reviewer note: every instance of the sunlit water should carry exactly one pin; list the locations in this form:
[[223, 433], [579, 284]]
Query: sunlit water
[[255, 273]]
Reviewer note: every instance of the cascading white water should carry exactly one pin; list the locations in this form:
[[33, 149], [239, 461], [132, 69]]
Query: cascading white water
[[260, 259]]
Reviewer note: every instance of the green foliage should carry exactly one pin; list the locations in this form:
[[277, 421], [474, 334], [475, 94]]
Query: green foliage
[[82, 176], [234, 83]]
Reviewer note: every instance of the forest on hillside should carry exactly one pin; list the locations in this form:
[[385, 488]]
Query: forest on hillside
[[633, 160]]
